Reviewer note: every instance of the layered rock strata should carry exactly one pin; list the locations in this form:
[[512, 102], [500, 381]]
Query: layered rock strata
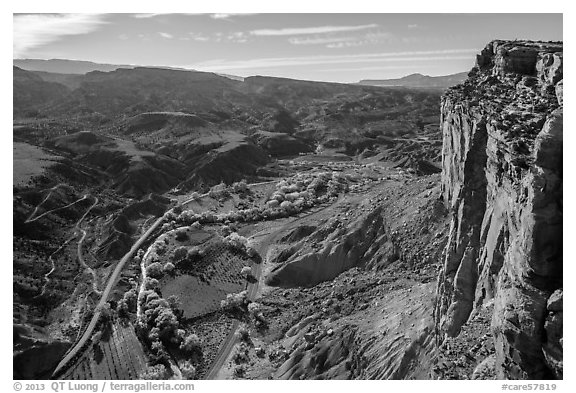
[[502, 182]]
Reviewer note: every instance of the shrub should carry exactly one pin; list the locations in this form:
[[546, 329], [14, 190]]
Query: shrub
[[174, 303], [130, 298], [272, 204], [194, 253], [241, 354], [246, 271], [191, 344], [167, 323], [236, 241], [151, 284], [251, 251], [188, 370], [254, 308], [157, 372], [180, 253], [255, 312], [292, 196], [122, 309], [219, 192], [234, 301], [225, 230], [181, 234], [240, 187], [105, 313], [160, 248], [158, 354], [239, 370], [169, 268], [243, 334], [169, 215], [154, 270]]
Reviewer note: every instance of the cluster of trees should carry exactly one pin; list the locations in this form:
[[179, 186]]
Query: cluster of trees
[[291, 196], [128, 302], [188, 370], [237, 241], [184, 256], [155, 270], [235, 302], [154, 372], [221, 191], [159, 322]]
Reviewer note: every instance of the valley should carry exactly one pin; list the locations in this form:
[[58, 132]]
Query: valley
[[173, 224]]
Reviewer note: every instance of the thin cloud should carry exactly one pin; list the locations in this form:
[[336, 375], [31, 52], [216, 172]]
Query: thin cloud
[[166, 35], [154, 15], [310, 30], [342, 41], [145, 16], [235, 37], [201, 38], [35, 30], [374, 68], [346, 44], [436, 55], [319, 41], [227, 16]]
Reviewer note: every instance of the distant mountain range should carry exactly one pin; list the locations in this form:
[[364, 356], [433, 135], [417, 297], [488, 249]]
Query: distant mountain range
[[69, 68], [62, 66], [79, 67], [419, 81]]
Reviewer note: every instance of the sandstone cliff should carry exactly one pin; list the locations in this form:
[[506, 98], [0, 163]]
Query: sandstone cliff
[[502, 182]]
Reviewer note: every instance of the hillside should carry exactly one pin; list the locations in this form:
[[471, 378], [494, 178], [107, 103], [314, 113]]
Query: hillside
[[349, 118], [31, 92]]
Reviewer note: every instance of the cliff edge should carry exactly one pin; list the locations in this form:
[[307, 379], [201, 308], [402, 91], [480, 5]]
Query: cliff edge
[[502, 183]]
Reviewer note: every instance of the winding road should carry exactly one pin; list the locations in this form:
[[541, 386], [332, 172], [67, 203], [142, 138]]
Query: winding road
[[76, 228], [104, 299]]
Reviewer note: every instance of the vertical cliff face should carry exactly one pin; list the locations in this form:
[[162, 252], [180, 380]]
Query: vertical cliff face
[[502, 182]]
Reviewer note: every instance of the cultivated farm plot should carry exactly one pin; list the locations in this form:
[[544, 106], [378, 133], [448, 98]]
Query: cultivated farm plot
[[220, 276], [120, 356]]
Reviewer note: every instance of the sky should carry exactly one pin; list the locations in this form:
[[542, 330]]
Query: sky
[[323, 47]]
